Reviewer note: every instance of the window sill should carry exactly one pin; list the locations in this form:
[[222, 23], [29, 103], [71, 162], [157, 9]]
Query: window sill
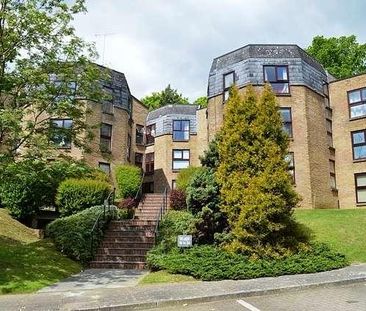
[[357, 118], [151, 144], [283, 94], [140, 144], [359, 160], [360, 204], [181, 141]]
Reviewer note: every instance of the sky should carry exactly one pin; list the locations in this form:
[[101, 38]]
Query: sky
[[160, 42]]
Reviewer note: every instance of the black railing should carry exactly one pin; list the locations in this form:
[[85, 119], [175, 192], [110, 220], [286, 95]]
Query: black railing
[[139, 191], [107, 213], [162, 211]]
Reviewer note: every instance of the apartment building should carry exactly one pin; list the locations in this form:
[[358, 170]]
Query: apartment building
[[324, 118]]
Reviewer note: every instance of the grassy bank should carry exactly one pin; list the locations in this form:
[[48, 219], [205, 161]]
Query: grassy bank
[[27, 263], [342, 230]]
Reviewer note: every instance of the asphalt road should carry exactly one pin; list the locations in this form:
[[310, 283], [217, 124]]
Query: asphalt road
[[335, 298]]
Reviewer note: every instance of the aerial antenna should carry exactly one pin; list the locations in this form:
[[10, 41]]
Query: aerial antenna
[[104, 35]]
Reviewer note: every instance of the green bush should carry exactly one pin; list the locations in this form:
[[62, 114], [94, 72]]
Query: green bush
[[128, 178], [173, 224], [211, 263], [75, 195], [28, 185], [72, 234], [184, 177], [124, 213], [177, 200]]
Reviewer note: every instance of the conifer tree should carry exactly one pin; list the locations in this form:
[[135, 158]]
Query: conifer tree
[[256, 190]]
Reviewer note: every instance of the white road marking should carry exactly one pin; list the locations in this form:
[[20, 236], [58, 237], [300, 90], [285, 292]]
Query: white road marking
[[247, 305]]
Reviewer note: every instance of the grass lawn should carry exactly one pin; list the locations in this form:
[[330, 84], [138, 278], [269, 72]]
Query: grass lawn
[[165, 277], [343, 230], [27, 263]]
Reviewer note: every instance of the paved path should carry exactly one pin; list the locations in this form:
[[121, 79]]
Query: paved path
[[332, 298], [96, 278], [128, 298]]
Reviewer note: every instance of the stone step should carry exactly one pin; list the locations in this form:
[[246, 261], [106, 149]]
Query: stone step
[[130, 239], [117, 265], [114, 233], [132, 222], [131, 228], [119, 258], [145, 217], [132, 245], [122, 251]]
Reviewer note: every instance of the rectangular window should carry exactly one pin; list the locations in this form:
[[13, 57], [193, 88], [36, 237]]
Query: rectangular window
[[287, 120], [180, 158], [333, 183], [105, 137], [357, 103], [139, 159], [360, 180], [329, 127], [291, 165], [150, 134], [139, 134], [61, 133], [128, 147], [181, 130], [149, 163], [229, 80], [105, 167], [107, 108], [359, 144], [277, 76]]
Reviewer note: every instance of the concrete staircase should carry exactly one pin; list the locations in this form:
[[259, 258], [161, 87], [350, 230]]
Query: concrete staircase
[[126, 242]]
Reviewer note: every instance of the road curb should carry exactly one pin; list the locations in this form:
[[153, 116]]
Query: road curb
[[233, 295]]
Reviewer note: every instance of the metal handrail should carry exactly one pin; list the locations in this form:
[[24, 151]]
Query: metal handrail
[[106, 204], [139, 191], [162, 211]]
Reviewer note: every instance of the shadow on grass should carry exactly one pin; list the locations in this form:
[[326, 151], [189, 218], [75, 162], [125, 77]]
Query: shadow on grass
[[29, 267]]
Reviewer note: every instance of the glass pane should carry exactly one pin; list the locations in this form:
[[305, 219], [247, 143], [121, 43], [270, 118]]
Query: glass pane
[[269, 73], [361, 195], [282, 73], [333, 182], [358, 138], [105, 167], [290, 159], [177, 154], [280, 88], [57, 123], [105, 144], [361, 180], [177, 125], [179, 136], [180, 164], [226, 95], [186, 154], [329, 126], [332, 166], [354, 96], [286, 114], [67, 124], [228, 80], [186, 135], [358, 111], [106, 130], [185, 125], [287, 127], [360, 152], [363, 91]]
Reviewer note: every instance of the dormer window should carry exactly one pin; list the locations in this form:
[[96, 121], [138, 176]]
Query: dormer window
[[229, 80], [277, 76]]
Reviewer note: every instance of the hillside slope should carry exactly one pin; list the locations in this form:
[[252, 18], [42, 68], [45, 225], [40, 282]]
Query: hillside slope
[[27, 263]]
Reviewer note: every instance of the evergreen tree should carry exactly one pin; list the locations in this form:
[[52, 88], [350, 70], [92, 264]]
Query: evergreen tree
[[256, 190]]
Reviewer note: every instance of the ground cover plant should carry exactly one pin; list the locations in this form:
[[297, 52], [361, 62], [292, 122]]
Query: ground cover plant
[[27, 263]]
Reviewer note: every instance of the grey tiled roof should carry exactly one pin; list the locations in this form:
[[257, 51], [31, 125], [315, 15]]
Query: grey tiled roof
[[172, 110], [264, 51]]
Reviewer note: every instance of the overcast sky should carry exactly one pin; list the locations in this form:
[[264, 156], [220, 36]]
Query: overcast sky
[[157, 42]]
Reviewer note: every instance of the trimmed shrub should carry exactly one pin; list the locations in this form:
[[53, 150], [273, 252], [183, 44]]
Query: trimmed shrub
[[123, 213], [211, 263], [128, 178], [126, 208], [184, 177], [173, 224], [75, 195], [72, 234], [178, 200], [28, 185]]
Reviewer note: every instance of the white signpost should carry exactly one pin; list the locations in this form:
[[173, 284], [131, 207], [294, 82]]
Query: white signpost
[[184, 241]]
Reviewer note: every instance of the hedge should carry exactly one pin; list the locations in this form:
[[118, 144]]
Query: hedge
[[128, 178], [75, 195], [72, 234], [212, 263]]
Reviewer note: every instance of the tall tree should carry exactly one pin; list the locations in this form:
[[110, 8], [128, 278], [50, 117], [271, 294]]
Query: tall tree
[[45, 72], [256, 190], [168, 96], [201, 101], [342, 57]]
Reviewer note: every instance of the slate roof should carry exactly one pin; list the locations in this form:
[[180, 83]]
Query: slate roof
[[264, 51], [172, 110]]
